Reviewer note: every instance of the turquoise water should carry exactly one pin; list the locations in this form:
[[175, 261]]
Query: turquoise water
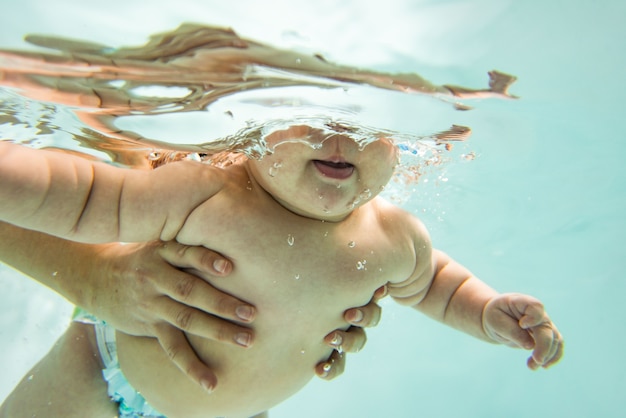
[[540, 210]]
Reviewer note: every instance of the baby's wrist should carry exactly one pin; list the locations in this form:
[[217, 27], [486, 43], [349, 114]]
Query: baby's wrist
[[488, 336]]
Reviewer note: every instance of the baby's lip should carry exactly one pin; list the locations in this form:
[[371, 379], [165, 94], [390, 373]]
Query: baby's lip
[[339, 170]]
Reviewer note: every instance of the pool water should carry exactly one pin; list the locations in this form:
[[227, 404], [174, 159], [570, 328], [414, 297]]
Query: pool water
[[539, 210]]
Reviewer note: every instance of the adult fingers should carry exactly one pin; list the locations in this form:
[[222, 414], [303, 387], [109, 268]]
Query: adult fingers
[[195, 257], [199, 323], [380, 293], [364, 316], [195, 292], [351, 341], [178, 349], [333, 367]]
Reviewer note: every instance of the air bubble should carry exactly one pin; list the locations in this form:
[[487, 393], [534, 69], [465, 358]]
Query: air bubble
[[360, 265], [470, 156], [352, 244], [274, 168]]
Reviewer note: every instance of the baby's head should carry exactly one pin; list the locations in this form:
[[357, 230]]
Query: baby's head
[[323, 176]]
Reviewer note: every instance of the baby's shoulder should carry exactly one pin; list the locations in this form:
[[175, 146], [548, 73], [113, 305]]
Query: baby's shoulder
[[394, 218]]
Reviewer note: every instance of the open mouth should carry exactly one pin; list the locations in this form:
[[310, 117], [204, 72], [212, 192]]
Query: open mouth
[[334, 170]]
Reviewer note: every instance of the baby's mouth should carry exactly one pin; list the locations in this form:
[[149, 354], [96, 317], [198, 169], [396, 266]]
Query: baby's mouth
[[335, 170]]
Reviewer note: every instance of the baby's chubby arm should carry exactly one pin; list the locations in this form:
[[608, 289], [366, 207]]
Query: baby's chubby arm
[[86, 201], [448, 292]]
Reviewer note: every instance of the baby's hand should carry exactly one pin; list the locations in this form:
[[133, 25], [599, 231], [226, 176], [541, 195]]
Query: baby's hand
[[521, 321]]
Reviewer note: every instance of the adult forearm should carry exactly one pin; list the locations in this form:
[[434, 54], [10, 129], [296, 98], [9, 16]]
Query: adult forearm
[[54, 262]]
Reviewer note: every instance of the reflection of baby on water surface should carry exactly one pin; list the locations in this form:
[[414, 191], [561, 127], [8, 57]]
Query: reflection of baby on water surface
[[309, 237]]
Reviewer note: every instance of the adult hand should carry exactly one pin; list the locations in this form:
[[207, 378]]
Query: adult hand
[[141, 290], [353, 339]]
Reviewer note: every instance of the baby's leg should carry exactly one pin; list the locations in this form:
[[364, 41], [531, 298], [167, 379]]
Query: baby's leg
[[67, 382]]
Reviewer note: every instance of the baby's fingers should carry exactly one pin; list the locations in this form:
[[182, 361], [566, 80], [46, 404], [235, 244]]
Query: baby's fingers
[[548, 346]]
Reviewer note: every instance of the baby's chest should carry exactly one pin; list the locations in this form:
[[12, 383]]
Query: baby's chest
[[305, 272]]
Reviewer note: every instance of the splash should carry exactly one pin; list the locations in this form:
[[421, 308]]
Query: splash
[[200, 90]]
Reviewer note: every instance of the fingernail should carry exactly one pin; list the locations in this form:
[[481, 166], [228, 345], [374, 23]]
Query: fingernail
[[357, 316], [381, 292], [220, 265], [207, 386], [326, 369], [245, 312], [337, 340], [243, 339]]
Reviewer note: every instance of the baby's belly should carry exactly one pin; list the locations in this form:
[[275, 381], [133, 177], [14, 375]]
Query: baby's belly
[[250, 381]]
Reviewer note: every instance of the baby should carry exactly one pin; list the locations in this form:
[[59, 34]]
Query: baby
[[309, 238]]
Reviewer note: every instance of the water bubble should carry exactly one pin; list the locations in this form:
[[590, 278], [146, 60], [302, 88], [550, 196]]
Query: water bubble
[[365, 194], [352, 244], [290, 240], [469, 156], [194, 156], [274, 168]]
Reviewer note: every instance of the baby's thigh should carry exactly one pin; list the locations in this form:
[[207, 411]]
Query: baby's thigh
[[67, 382]]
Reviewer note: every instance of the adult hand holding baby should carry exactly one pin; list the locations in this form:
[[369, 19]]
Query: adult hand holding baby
[[159, 289]]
